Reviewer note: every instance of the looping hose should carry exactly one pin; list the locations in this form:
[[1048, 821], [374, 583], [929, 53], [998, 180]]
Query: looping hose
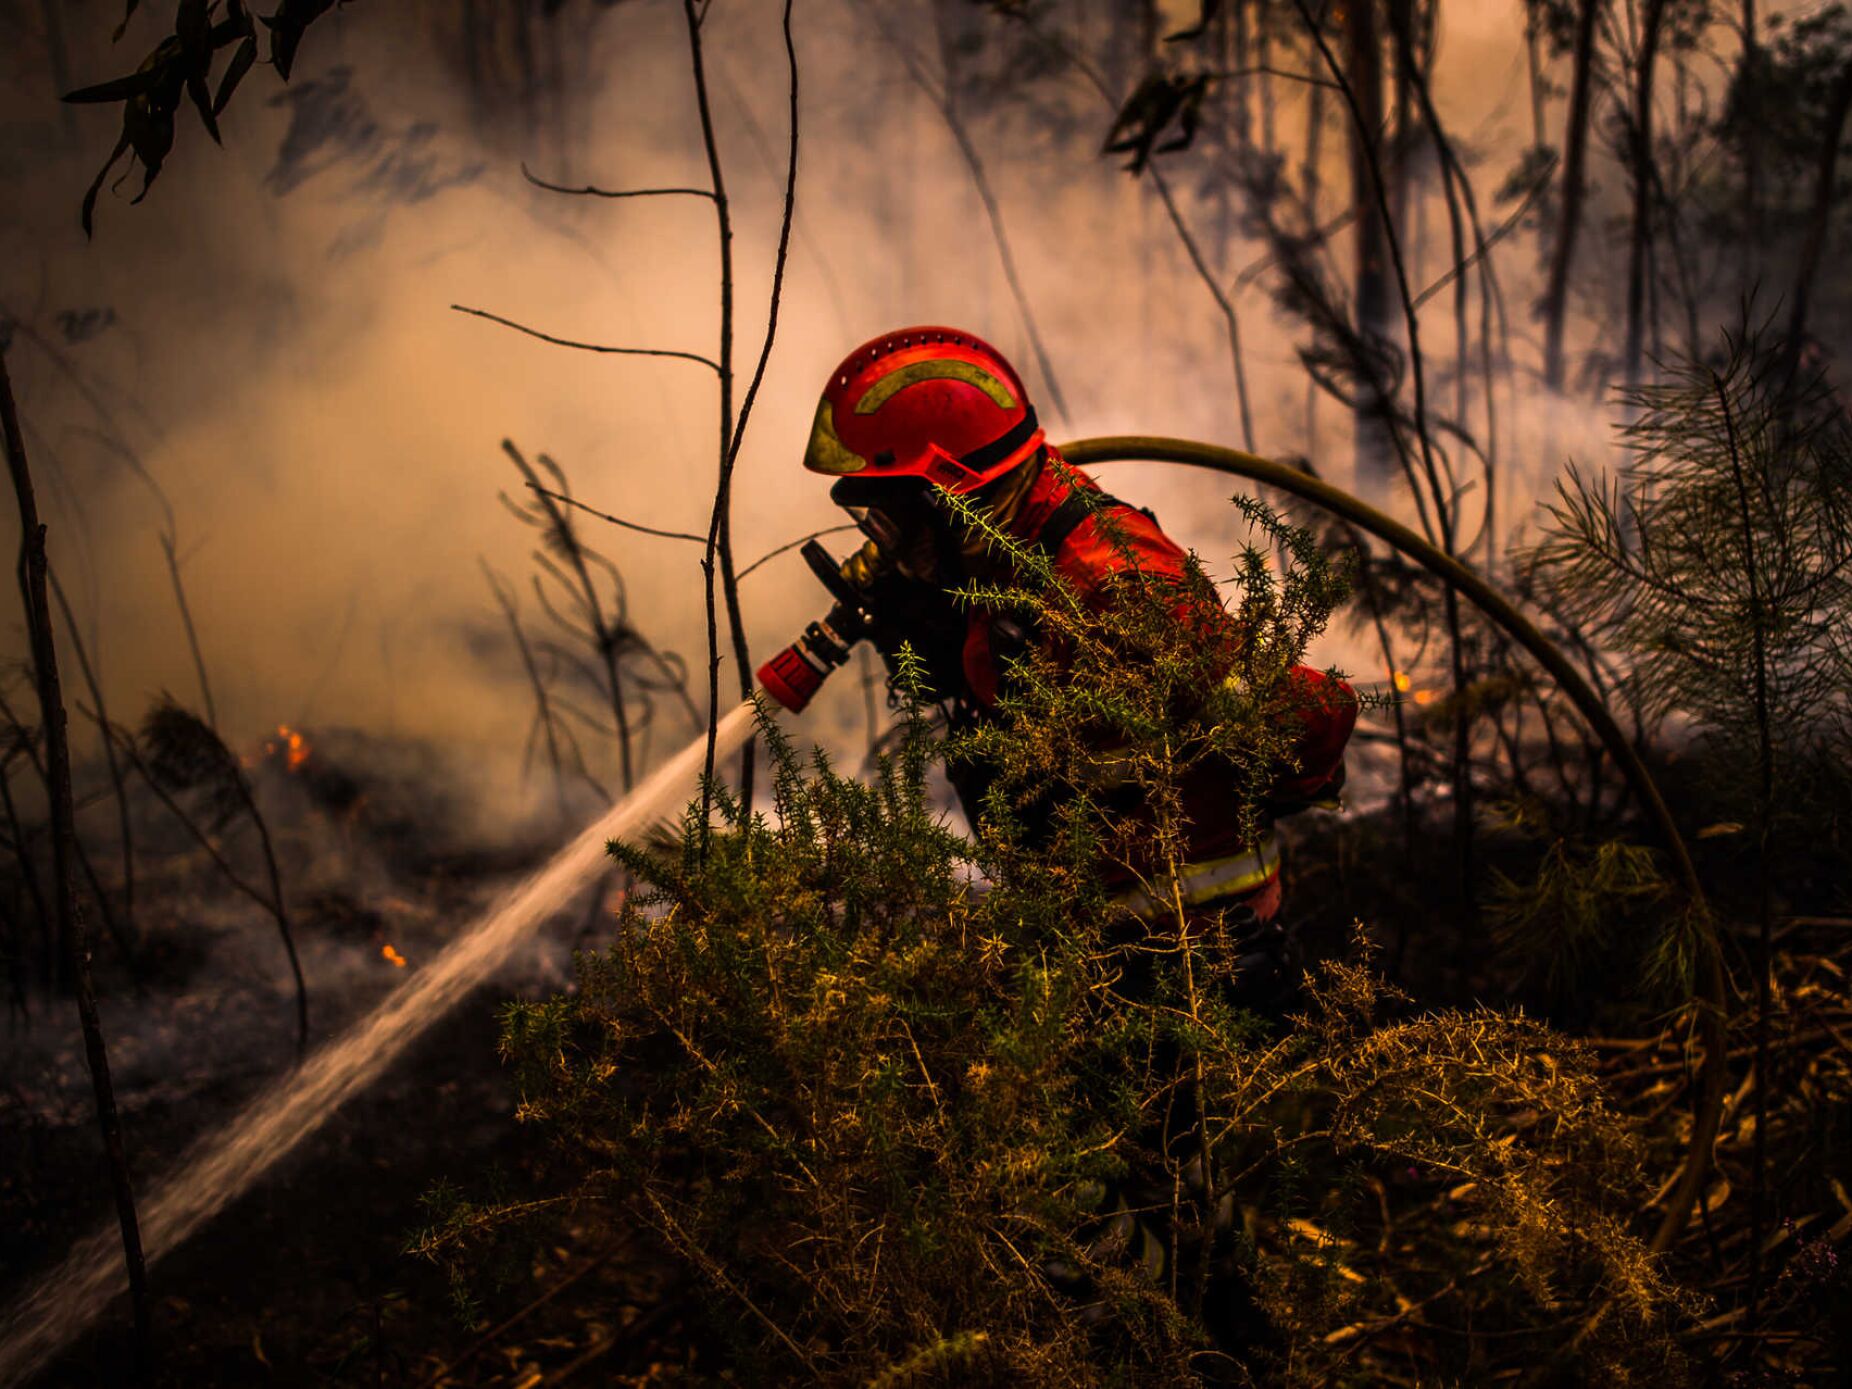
[[1707, 1110]]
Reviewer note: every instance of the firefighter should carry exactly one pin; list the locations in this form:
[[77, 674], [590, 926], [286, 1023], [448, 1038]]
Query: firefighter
[[928, 408], [931, 408]]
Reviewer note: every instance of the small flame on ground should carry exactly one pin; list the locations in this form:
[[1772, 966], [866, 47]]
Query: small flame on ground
[[1402, 682], [1424, 696], [391, 956]]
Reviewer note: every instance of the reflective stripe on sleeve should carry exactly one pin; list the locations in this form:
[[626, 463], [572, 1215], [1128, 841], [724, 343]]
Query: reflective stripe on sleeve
[[1210, 880]]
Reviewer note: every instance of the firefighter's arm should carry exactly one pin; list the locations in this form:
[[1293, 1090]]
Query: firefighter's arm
[[902, 611], [1326, 709]]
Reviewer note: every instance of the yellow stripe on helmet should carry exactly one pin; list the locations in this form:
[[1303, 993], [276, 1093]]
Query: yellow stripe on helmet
[[934, 369]]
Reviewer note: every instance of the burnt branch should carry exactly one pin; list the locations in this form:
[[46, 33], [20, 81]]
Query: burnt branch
[[707, 362]]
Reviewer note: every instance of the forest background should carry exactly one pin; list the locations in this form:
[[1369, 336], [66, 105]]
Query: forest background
[[251, 391]]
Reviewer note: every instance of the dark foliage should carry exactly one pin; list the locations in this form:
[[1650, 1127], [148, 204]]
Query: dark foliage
[[180, 68]]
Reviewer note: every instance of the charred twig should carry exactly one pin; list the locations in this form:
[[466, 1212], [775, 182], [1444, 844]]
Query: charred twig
[[788, 546], [589, 191], [607, 636], [543, 710], [169, 549], [33, 566], [707, 362], [614, 520], [1230, 319]]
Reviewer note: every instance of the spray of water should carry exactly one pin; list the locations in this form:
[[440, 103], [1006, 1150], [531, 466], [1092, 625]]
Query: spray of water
[[223, 1165]]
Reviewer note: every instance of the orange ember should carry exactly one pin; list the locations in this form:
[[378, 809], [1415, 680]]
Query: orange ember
[[391, 956], [294, 747]]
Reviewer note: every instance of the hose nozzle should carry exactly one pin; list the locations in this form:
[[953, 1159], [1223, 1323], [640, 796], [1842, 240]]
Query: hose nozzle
[[795, 674]]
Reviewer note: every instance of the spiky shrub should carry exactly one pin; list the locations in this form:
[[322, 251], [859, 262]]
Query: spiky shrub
[[870, 1079], [1717, 563], [1716, 566]]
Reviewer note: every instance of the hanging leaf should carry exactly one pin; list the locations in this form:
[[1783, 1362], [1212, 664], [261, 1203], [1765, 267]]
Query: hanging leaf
[[148, 122], [121, 89], [288, 25], [242, 61], [150, 96], [193, 29]]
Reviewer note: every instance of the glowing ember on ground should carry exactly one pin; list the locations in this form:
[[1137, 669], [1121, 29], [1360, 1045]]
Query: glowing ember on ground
[[296, 745], [1401, 679], [290, 745], [391, 956], [1424, 696]]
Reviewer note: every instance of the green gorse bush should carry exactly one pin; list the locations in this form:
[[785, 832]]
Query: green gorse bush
[[873, 1081]]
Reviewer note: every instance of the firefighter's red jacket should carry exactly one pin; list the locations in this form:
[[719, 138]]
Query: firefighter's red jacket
[[1089, 562]]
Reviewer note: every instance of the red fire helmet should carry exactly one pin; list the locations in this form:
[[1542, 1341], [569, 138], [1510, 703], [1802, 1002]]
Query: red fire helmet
[[931, 403]]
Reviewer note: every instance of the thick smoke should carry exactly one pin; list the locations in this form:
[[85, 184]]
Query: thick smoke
[[267, 339]]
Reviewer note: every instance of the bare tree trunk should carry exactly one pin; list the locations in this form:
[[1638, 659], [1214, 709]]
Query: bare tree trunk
[[1364, 72], [1406, 126], [1652, 20], [719, 554], [1749, 74], [720, 526], [74, 937], [1263, 52], [543, 708], [1314, 187], [1533, 58], [1819, 219], [1444, 503], [1575, 188]]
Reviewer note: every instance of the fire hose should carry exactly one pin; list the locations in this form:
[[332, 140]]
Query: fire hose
[[795, 674]]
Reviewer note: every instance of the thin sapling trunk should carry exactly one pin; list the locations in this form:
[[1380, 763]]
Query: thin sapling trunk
[[74, 937]]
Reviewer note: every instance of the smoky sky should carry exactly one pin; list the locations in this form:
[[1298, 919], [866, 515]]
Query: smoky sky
[[265, 345]]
